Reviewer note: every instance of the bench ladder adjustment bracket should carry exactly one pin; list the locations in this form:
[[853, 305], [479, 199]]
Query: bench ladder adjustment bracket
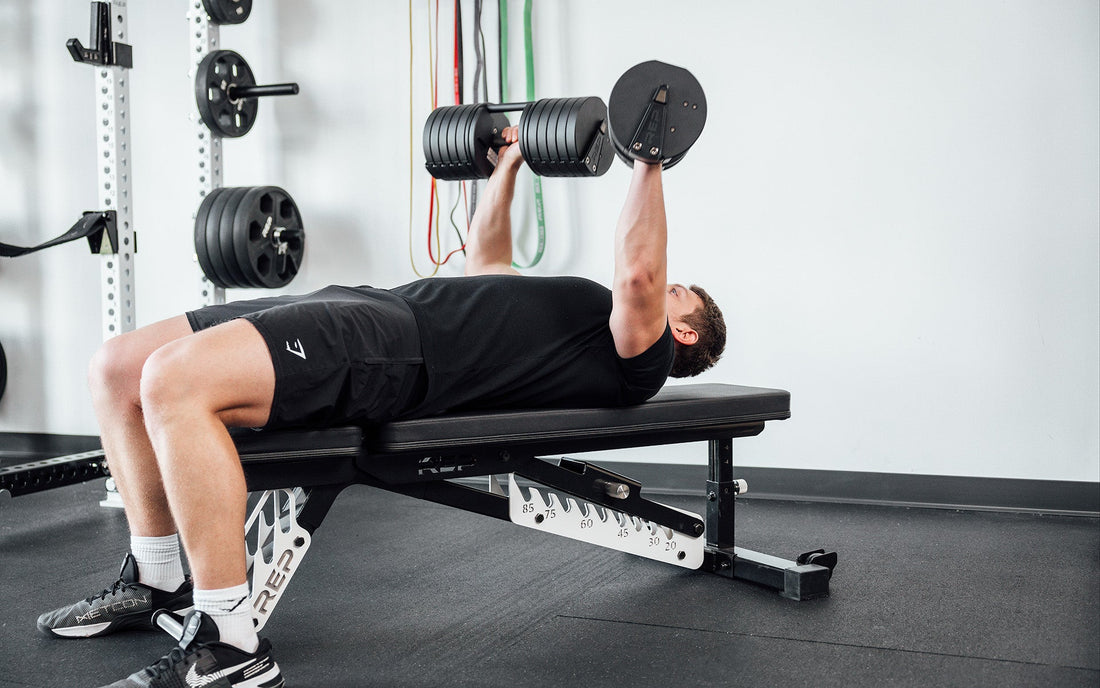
[[581, 520]]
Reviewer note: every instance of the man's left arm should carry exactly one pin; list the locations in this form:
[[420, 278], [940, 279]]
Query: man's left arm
[[489, 246]]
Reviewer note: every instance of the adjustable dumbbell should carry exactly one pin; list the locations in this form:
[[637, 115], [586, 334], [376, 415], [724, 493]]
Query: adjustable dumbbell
[[226, 93], [558, 137], [655, 113]]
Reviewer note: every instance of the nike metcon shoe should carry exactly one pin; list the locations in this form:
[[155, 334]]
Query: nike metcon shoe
[[126, 604], [200, 660]]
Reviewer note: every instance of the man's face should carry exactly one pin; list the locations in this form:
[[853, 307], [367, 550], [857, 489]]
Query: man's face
[[680, 301]]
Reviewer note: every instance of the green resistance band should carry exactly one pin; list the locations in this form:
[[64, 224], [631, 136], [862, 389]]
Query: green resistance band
[[530, 64]]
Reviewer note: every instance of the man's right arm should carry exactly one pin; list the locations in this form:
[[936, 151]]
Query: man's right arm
[[639, 307]]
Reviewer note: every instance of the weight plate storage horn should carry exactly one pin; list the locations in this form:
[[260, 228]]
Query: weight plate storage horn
[[249, 237], [655, 113]]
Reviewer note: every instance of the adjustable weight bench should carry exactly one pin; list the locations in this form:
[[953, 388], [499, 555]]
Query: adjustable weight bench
[[300, 474]]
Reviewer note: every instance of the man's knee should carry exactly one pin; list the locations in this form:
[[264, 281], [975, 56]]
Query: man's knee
[[115, 369], [168, 379]]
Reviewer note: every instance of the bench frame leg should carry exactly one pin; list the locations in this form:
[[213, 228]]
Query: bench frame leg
[[796, 580]]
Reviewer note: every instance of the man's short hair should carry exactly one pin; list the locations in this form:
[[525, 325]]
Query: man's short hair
[[708, 322]]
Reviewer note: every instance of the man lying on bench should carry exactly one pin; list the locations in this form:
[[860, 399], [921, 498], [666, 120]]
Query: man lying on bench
[[165, 394]]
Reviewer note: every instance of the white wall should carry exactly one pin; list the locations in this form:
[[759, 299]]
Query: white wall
[[895, 203]]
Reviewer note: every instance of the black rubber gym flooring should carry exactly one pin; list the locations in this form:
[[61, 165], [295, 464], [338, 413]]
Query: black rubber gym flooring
[[399, 592]]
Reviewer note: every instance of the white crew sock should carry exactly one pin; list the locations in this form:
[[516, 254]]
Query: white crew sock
[[158, 560], [231, 610]]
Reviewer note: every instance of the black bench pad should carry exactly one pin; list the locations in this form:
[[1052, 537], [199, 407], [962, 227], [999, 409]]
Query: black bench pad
[[680, 413]]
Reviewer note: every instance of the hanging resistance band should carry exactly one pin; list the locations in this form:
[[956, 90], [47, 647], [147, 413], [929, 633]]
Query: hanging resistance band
[[530, 64]]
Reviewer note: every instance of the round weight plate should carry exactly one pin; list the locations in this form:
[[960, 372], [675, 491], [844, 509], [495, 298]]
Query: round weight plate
[[548, 124], [528, 136], [554, 141], [214, 228], [472, 140], [443, 141], [235, 221], [3, 372], [262, 213], [202, 251], [226, 246], [435, 161], [567, 135], [685, 111], [289, 217], [454, 136], [228, 11], [224, 116]]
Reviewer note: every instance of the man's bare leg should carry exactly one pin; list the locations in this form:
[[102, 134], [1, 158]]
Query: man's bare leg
[[115, 381]]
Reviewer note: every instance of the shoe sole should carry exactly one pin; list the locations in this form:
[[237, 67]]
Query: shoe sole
[[136, 621]]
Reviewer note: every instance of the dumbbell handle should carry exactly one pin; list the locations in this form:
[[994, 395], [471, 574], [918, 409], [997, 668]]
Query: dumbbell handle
[[238, 92], [505, 107]]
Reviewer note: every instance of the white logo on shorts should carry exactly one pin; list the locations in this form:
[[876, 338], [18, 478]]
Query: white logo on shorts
[[297, 349]]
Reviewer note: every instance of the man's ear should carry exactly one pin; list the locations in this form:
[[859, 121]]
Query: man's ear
[[683, 333]]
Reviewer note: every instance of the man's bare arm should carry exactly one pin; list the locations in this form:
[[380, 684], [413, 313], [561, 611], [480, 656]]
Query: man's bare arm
[[638, 314], [489, 246]]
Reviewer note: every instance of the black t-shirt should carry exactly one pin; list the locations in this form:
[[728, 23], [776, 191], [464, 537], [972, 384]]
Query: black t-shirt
[[505, 341]]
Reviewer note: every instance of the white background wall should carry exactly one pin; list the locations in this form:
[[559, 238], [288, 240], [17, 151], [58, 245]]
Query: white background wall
[[896, 203]]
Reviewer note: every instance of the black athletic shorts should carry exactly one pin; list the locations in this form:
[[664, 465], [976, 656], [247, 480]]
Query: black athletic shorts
[[342, 355]]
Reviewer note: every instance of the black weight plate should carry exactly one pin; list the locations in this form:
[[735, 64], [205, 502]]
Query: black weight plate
[[244, 214], [3, 372], [263, 211], [455, 139], [433, 156], [529, 140], [226, 248], [548, 123], [216, 73], [555, 143], [475, 140], [443, 134], [447, 164], [529, 136], [287, 215], [564, 134], [228, 11], [202, 252], [215, 226], [686, 109]]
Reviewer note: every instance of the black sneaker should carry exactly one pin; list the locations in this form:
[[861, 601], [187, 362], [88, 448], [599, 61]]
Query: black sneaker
[[125, 605], [201, 660]]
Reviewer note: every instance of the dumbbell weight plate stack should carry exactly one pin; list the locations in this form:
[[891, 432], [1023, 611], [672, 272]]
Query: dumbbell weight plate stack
[[633, 115], [457, 140], [563, 137], [249, 237]]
